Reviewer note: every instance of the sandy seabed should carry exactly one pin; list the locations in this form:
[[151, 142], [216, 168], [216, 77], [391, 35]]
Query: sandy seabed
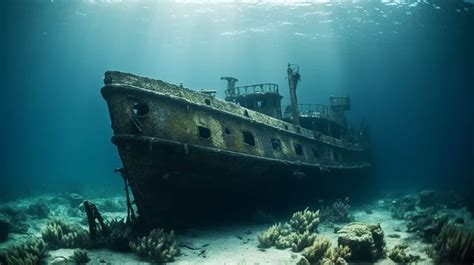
[[222, 244]]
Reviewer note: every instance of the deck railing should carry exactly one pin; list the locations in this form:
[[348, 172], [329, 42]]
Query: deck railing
[[252, 89], [309, 109]]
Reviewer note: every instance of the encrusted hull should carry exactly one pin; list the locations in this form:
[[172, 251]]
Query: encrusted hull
[[184, 152]]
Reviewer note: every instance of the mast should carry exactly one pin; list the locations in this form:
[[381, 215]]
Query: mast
[[293, 78]]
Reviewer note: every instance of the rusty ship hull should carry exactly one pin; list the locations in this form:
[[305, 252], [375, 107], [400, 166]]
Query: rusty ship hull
[[184, 151]]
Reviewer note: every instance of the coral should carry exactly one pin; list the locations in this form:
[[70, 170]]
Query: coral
[[276, 235], [80, 256], [30, 252], [305, 221], [317, 250], [302, 241], [120, 235], [4, 228], [38, 209], [365, 241], [59, 234], [455, 243], [338, 212], [321, 252], [398, 254], [158, 246]]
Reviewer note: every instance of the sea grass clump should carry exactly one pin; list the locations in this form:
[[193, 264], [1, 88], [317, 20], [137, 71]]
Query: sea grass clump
[[305, 221], [80, 256], [60, 234], [455, 243], [29, 252], [157, 247]]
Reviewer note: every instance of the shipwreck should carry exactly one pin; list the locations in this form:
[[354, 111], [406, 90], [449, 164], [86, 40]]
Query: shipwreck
[[184, 151]]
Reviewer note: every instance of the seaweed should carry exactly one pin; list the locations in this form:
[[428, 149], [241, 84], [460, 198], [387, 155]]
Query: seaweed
[[158, 246], [80, 256], [30, 252], [398, 254], [59, 234], [455, 243], [121, 234]]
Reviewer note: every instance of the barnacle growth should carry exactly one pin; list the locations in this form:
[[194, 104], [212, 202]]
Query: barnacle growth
[[158, 246], [59, 234]]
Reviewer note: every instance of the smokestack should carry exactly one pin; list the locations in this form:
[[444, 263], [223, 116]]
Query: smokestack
[[293, 78]]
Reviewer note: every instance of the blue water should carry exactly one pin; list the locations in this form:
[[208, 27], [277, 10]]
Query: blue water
[[408, 67]]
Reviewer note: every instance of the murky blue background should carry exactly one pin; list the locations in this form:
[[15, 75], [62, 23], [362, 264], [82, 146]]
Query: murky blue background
[[407, 65]]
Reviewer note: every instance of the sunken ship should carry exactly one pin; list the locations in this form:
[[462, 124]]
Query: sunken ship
[[184, 151]]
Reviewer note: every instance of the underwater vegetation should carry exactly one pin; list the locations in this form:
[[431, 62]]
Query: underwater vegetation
[[321, 252], [121, 234], [399, 255], [30, 252], [80, 256], [297, 234], [59, 234], [455, 243], [158, 246], [16, 218], [338, 212]]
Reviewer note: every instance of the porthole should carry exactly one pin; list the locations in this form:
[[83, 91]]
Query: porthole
[[204, 132], [276, 144], [248, 138], [246, 113], [207, 101], [227, 131], [140, 109], [286, 127]]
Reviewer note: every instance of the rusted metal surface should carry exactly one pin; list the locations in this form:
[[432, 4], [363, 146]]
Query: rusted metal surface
[[174, 140]]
